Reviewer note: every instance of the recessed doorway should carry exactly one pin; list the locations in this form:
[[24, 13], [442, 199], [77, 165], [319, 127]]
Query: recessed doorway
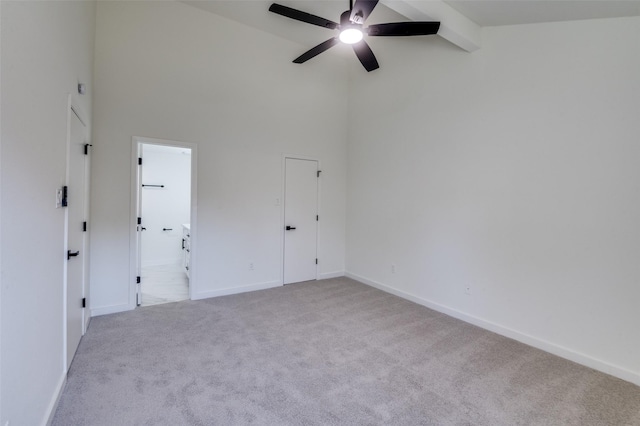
[[164, 221]]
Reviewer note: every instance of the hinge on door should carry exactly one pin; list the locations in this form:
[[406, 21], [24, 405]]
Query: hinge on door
[[86, 148], [65, 190], [84, 302], [140, 161], [317, 218], [316, 260], [319, 171], [137, 280], [84, 226]]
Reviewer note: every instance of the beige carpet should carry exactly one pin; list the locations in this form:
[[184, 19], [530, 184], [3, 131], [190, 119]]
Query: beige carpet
[[324, 353]]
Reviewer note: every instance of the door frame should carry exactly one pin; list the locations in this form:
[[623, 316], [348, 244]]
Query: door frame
[[136, 142], [73, 108], [282, 205]]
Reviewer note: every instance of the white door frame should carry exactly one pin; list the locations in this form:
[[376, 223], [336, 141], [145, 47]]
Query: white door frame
[[74, 109], [282, 218], [86, 314], [133, 222]]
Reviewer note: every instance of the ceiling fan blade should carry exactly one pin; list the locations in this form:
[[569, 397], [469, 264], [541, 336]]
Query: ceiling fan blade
[[316, 50], [404, 29], [366, 56], [299, 15], [361, 10]]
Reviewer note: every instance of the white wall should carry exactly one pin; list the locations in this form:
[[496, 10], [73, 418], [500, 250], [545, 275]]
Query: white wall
[[512, 170], [167, 207], [47, 48], [167, 70]]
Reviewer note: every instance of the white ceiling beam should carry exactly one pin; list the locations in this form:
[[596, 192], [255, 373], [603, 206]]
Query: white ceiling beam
[[454, 26]]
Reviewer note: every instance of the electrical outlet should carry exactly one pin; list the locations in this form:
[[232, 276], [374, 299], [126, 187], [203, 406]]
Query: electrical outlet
[[467, 290], [251, 266], [393, 268]]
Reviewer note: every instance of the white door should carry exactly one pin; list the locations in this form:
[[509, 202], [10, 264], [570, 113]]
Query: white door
[[75, 201], [300, 220]]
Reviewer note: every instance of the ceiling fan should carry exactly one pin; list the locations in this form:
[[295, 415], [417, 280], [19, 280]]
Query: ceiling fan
[[352, 30]]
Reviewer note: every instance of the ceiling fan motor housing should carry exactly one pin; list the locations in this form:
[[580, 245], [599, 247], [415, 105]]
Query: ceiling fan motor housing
[[345, 20]]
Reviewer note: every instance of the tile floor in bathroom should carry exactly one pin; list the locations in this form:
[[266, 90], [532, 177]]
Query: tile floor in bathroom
[[164, 284]]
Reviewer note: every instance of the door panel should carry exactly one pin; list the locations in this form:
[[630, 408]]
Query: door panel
[[75, 236], [300, 210]]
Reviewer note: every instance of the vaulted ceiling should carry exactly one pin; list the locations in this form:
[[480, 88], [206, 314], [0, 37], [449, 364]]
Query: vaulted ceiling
[[488, 13], [461, 20]]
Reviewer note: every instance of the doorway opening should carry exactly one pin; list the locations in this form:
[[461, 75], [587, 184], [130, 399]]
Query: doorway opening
[[164, 221], [301, 181]]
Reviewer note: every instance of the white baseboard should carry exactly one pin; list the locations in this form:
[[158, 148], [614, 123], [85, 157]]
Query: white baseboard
[[112, 309], [541, 344], [235, 290], [53, 404], [328, 275]]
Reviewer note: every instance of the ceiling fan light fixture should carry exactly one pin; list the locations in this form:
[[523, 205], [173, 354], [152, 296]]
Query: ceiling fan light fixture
[[352, 30], [351, 35]]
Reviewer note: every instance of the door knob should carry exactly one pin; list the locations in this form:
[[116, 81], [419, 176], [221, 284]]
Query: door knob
[[71, 254], [290, 228]]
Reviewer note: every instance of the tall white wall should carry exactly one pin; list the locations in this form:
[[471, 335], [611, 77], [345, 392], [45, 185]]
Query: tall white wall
[[512, 171], [168, 70], [46, 50], [164, 208]]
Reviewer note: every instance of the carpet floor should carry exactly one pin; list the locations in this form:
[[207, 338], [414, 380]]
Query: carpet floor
[[329, 352]]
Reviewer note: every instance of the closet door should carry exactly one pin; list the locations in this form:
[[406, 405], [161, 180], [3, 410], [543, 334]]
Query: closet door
[[75, 223], [301, 220]]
